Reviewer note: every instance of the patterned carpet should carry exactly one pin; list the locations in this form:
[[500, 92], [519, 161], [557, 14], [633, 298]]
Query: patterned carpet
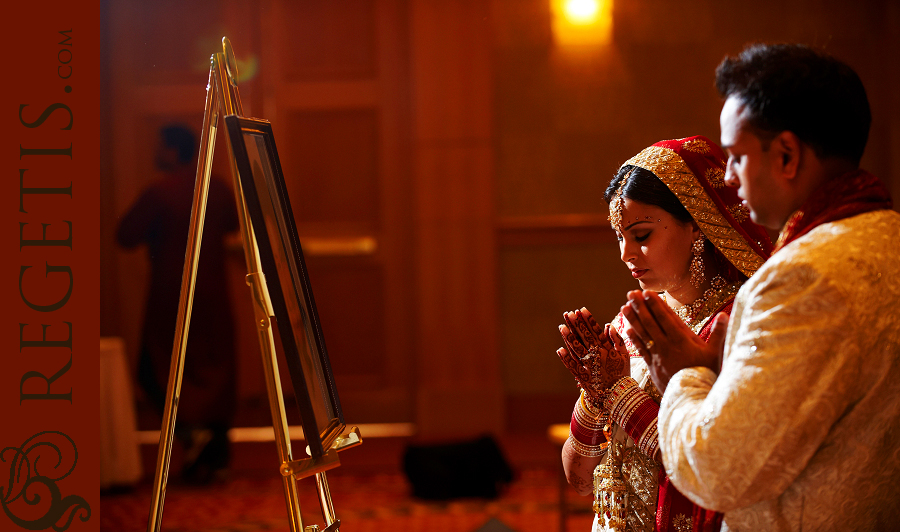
[[364, 503]]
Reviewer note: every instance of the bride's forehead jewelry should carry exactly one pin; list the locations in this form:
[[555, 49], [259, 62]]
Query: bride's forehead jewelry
[[617, 205]]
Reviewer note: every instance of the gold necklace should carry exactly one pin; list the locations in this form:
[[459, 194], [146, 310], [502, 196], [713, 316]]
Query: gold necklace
[[714, 296]]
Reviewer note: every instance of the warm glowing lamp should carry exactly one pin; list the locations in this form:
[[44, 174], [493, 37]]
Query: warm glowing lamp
[[582, 22], [581, 12]]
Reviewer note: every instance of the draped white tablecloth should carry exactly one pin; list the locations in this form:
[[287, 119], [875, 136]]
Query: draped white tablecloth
[[120, 462]]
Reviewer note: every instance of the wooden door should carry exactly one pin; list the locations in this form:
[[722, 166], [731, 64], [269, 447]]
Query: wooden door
[[331, 77]]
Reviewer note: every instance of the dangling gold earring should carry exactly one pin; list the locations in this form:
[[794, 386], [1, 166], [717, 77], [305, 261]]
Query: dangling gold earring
[[697, 273]]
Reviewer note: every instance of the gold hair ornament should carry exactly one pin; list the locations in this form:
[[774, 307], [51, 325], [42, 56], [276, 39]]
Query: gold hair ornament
[[617, 205]]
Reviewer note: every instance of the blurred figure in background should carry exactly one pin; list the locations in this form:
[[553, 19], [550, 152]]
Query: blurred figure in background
[[160, 219]]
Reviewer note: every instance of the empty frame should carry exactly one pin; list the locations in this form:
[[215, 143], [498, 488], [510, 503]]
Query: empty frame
[[283, 265]]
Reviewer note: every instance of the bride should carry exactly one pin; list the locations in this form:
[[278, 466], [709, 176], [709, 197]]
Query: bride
[[685, 235]]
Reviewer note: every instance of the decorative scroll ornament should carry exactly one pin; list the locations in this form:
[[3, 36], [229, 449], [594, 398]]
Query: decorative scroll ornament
[[682, 523], [716, 177], [34, 469], [740, 213], [697, 145]]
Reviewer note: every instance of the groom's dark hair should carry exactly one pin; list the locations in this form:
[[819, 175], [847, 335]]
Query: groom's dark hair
[[792, 87]]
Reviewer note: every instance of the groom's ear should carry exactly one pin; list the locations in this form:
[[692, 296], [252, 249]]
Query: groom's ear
[[786, 152]]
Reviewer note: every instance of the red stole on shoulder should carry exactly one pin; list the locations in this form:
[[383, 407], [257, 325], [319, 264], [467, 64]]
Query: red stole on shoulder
[[850, 194]]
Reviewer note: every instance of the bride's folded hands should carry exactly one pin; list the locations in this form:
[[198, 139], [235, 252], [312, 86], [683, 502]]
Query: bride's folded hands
[[596, 356]]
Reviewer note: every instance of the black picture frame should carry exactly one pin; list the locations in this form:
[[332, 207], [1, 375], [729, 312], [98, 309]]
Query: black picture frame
[[282, 263]]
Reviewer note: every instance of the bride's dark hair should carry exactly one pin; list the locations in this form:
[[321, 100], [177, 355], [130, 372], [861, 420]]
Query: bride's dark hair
[[645, 187]]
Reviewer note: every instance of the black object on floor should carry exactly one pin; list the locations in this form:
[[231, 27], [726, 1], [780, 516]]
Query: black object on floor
[[494, 525], [468, 469]]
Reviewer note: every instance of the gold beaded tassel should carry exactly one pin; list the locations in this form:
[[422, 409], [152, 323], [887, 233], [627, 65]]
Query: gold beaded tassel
[[610, 493]]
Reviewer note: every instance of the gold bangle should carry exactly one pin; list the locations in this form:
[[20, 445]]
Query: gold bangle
[[590, 424], [620, 386], [591, 406], [585, 419], [622, 404], [589, 451]]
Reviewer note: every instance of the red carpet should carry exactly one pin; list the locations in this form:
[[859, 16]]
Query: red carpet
[[368, 495]]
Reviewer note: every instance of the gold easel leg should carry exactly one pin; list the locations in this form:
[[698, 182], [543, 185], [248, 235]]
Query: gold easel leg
[[325, 498], [188, 276], [262, 309], [279, 423], [273, 385]]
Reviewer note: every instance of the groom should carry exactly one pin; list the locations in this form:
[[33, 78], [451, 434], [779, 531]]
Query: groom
[[789, 418]]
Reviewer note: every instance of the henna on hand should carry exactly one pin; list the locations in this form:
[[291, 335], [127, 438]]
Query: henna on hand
[[579, 470], [591, 353], [598, 330], [581, 485]]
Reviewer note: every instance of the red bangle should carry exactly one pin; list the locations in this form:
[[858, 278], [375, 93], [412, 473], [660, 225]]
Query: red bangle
[[640, 419], [584, 435]]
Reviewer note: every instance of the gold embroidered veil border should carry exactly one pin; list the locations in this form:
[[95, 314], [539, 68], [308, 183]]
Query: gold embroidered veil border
[[671, 169]]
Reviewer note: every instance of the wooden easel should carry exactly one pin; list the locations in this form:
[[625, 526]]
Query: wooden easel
[[222, 99]]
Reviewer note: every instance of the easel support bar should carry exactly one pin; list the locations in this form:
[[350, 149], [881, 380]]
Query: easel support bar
[[182, 324]]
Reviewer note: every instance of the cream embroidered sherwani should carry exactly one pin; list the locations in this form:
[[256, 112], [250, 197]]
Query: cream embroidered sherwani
[[801, 429]]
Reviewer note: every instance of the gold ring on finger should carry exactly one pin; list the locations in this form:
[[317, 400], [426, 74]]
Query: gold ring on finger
[[649, 344]]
